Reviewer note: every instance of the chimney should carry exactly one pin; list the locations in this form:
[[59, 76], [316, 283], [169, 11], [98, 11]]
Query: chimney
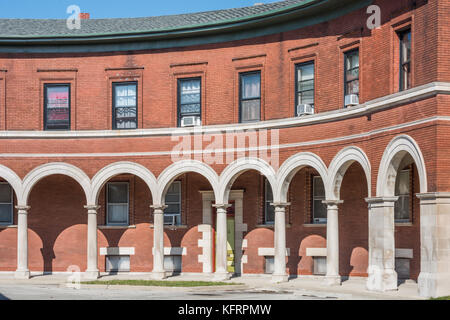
[[85, 16]]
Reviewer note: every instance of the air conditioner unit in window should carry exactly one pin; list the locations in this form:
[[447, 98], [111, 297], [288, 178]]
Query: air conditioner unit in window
[[191, 121], [304, 110], [351, 100]]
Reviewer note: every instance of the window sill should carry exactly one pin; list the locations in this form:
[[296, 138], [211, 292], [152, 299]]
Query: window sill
[[270, 226], [315, 225], [172, 227], [8, 226], [404, 224], [116, 227]]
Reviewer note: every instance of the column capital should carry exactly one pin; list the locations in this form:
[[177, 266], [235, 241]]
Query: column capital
[[281, 204], [434, 197], [332, 203], [222, 206], [23, 209], [92, 207], [381, 201], [158, 207]]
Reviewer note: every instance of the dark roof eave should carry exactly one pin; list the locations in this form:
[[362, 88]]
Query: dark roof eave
[[286, 14]]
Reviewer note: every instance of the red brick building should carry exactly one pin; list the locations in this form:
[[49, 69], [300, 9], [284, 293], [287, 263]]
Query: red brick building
[[297, 138]]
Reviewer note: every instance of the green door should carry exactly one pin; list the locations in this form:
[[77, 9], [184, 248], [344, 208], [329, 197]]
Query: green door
[[230, 244]]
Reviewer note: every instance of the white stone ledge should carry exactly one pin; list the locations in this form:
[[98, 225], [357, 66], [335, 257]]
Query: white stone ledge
[[173, 251], [120, 251], [270, 252], [404, 253], [316, 252], [407, 96]]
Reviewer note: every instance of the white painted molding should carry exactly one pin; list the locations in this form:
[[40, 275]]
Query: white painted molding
[[120, 251], [316, 252], [125, 167], [237, 168], [390, 162], [289, 169], [178, 168], [269, 252], [49, 169], [408, 96], [13, 179]]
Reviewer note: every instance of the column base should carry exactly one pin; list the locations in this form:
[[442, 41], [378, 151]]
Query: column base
[[434, 285], [159, 275], [278, 278], [222, 276], [382, 281], [332, 281], [22, 274], [91, 274]]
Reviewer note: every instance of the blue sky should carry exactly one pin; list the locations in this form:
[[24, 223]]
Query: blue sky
[[56, 9]]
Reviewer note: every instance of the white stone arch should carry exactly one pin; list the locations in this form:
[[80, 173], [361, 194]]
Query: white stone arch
[[50, 169], [238, 167], [13, 179], [172, 172], [390, 162], [339, 166], [294, 164], [123, 167]]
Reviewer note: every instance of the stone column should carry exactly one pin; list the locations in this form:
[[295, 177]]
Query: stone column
[[434, 278], [158, 272], [382, 275], [221, 243], [92, 271], [332, 277], [279, 273], [207, 238], [22, 271]]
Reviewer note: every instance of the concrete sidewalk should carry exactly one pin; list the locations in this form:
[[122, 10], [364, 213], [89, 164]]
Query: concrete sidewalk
[[351, 289]]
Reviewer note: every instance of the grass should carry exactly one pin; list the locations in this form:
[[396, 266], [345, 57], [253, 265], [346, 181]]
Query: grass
[[155, 283], [441, 298]]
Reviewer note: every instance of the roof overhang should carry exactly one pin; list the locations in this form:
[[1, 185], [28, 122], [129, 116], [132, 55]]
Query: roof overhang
[[289, 18]]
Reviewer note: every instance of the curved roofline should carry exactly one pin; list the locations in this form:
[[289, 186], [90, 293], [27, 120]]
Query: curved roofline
[[269, 22], [265, 14]]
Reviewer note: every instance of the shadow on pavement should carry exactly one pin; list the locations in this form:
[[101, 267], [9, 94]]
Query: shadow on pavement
[[2, 297]]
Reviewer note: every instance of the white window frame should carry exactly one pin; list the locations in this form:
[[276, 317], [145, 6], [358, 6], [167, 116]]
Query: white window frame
[[267, 203], [314, 199], [7, 223], [107, 204], [174, 222], [409, 171]]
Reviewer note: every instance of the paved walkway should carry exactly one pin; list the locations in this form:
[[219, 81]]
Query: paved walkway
[[253, 287]]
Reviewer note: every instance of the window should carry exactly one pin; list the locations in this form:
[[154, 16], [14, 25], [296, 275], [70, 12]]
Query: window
[[320, 266], [405, 59], [6, 204], [269, 210], [403, 190], [172, 214], [250, 97], [305, 84], [117, 203], [125, 105], [269, 264], [57, 106], [172, 263], [189, 100], [319, 209], [117, 263], [351, 75]]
